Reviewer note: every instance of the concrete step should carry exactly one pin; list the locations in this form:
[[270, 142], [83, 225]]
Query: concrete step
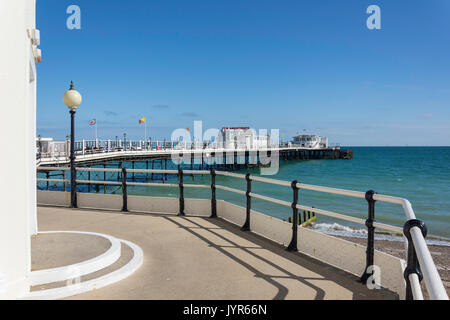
[[70, 240], [113, 262]]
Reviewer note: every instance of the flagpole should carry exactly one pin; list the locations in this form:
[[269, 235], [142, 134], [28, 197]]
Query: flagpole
[[96, 136], [145, 131]]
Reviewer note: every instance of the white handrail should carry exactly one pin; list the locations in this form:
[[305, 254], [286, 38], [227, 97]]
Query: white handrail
[[230, 189], [415, 286], [99, 182], [230, 174], [52, 168], [281, 202], [350, 193], [430, 274], [271, 181], [52, 180], [191, 185], [143, 184], [99, 169]]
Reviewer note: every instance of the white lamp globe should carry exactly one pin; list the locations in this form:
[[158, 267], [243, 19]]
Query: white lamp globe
[[72, 98]]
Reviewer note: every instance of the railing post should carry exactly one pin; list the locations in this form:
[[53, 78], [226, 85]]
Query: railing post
[[180, 177], [124, 190], [89, 183], [293, 245], [370, 251], [246, 226], [413, 265], [213, 194]]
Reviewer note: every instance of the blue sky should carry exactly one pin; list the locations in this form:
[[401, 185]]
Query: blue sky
[[284, 64]]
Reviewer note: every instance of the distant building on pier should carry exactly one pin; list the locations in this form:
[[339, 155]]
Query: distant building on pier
[[242, 138], [310, 141]]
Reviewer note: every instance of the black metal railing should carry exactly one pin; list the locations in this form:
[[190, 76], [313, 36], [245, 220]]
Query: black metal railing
[[417, 249]]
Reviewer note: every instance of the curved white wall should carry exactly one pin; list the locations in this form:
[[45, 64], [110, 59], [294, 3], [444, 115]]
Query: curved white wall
[[17, 127]]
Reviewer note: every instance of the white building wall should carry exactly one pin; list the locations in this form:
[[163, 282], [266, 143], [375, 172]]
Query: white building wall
[[31, 111], [17, 117]]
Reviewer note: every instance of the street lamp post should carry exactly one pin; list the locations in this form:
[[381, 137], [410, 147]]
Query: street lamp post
[[72, 99]]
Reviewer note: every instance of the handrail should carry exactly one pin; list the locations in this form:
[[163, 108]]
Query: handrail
[[343, 192], [434, 286], [53, 168], [230, 189], [414, 229], [52, 180], [99, 182], [98, 169]]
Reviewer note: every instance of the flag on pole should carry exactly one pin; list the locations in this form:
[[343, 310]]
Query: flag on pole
[[143, 120], [93, 122]]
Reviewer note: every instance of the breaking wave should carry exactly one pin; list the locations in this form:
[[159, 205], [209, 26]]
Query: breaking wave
[[336, 229]]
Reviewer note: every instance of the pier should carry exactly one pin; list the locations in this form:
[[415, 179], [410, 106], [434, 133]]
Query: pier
[[195, 156]]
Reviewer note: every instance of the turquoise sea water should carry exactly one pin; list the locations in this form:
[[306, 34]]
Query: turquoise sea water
[[420, 174]]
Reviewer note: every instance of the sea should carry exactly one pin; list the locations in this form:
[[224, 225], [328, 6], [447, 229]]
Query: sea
[[419, 174]]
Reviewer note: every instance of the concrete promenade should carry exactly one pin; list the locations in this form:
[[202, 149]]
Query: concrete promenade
[[201, 258]]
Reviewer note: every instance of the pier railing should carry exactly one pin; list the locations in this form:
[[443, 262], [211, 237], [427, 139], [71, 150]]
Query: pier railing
[[420, 264], [60, 149]]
